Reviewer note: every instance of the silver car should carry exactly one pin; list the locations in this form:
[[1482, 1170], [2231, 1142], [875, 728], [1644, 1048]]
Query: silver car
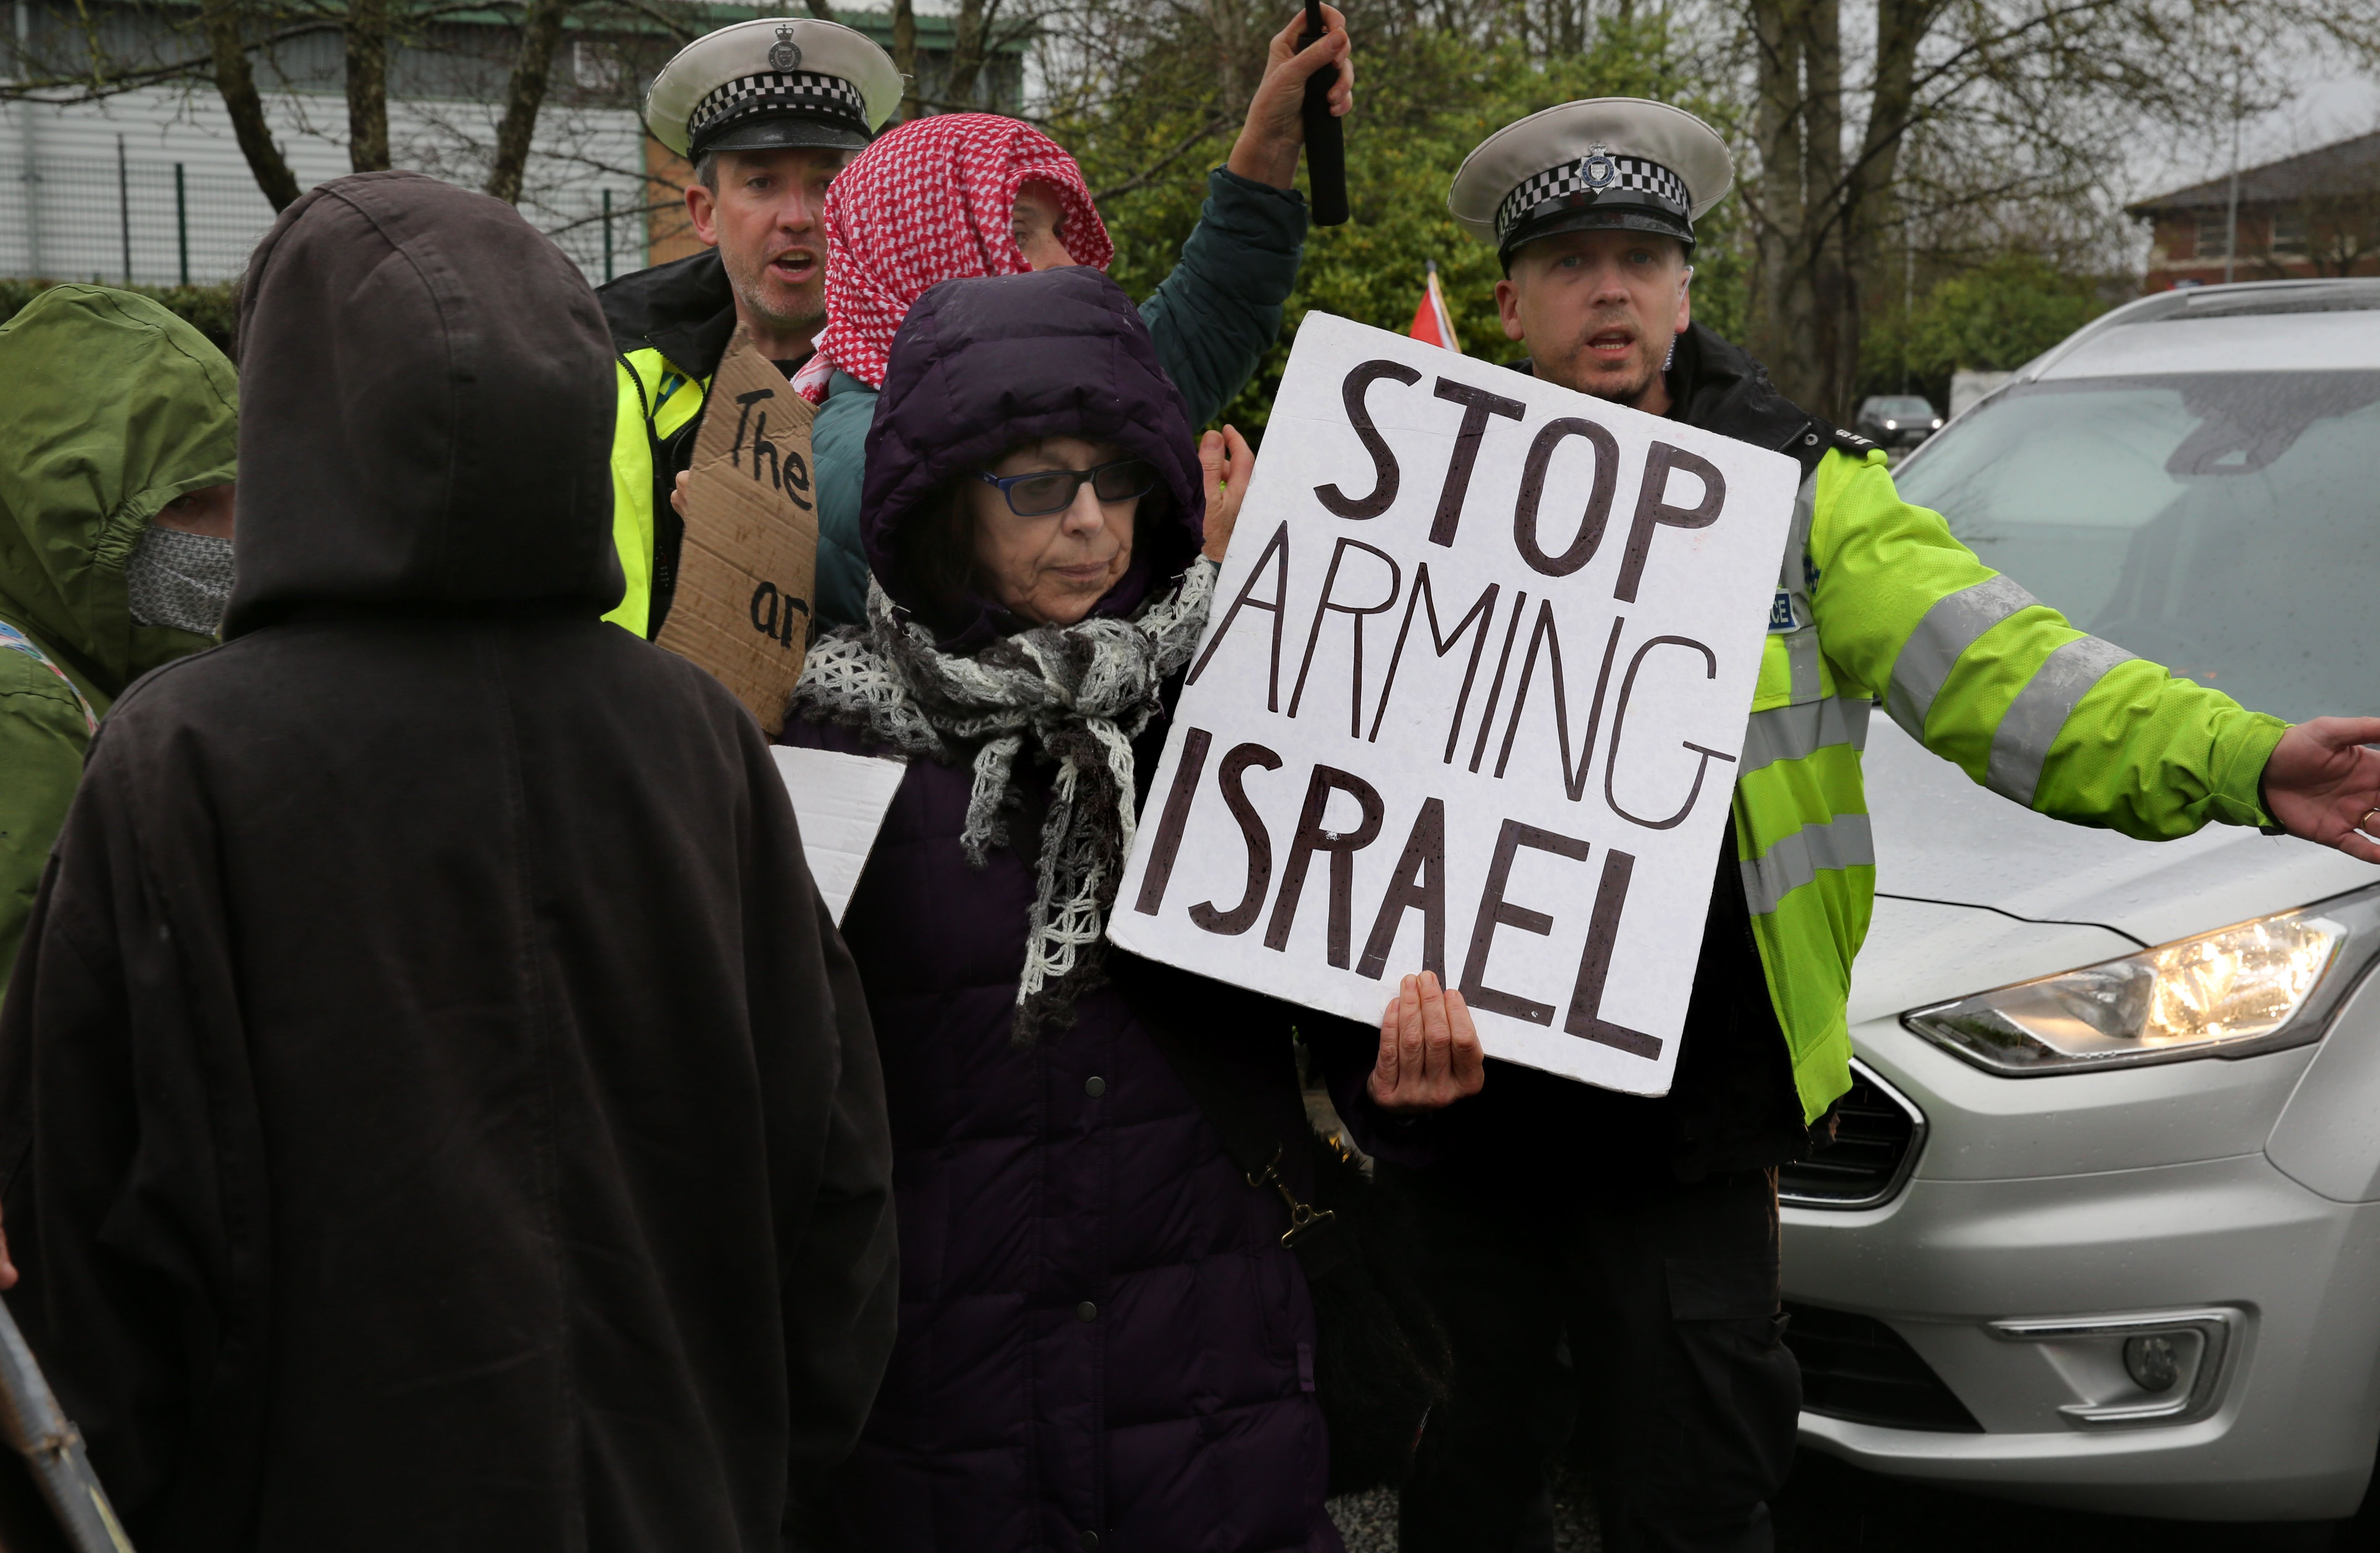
[[2102, 1225]]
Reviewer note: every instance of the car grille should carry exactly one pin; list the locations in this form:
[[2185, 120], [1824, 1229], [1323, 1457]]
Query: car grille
[[1877, 1134], [1856, 1368]]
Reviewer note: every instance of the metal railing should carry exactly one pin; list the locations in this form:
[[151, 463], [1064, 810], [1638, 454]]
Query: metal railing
[[135, 222], [147, 222]]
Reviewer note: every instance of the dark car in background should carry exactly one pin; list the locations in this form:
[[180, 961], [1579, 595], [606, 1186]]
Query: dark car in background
[[1896, 420]]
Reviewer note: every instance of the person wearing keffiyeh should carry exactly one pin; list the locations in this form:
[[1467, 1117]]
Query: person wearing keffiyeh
[[960, 195]]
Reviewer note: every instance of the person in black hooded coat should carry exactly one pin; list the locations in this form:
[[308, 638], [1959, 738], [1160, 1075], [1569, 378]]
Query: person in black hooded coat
[[436, 1110], [1105, 1341]]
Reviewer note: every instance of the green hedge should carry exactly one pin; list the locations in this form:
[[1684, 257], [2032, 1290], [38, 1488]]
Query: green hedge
[[213, 309]]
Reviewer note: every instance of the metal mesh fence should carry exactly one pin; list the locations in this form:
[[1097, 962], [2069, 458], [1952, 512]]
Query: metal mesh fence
[[602, 229], [140, 221], [148, 222]]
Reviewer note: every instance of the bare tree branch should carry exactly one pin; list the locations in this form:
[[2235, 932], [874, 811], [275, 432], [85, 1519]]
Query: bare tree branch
[[238, 85], [904, 55], [367, 58], [524, 94]]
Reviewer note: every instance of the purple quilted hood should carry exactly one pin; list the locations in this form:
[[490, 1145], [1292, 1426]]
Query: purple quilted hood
[[982, 365]]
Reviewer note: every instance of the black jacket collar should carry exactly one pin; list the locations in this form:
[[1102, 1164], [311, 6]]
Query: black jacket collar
[[683, 308], [1720, 388]]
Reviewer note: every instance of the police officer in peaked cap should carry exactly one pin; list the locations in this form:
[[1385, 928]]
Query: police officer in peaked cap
[[766, 111], [1586, 193], [1610, 1262]]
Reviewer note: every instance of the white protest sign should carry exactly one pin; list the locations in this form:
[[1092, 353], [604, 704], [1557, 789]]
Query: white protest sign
[[1469, 699], [839, 803]]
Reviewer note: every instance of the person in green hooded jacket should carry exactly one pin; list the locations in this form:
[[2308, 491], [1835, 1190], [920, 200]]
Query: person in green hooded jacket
[[115, 514]]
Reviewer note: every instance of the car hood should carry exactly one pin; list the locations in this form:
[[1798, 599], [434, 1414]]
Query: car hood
[[1976, 892]]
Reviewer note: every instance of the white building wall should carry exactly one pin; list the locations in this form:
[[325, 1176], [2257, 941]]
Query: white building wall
[[69, 204]]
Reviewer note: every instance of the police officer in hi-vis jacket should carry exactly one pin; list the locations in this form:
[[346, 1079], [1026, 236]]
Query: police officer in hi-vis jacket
[[1638, 1237]]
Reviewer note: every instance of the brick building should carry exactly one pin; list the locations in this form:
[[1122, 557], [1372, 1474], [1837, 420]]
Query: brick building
[[2315, 214]]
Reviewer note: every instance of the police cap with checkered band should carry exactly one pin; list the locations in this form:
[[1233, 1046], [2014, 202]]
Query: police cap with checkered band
[[1608, 162], [773, 83]]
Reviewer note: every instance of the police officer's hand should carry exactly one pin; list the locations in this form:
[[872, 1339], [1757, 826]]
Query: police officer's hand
[[1225, 457], [7, 1268], [678, 492], [1267, 149], [1430, 1050], [2322, 784]]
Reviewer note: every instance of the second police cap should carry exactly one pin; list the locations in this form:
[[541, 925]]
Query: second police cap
[[773, 82], [1605, 162]]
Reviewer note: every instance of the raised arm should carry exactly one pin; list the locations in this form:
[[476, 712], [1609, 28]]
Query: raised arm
[[1214, 317]]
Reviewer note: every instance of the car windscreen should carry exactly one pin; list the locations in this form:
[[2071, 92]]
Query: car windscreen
[[2225, 525], [1902, 408]]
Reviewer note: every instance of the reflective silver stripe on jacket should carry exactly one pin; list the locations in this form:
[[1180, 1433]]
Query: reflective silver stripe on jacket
[[1793, 577], [1795, 860], [1799, 732], [1802, 663], [2041, 709], [1933, 648]]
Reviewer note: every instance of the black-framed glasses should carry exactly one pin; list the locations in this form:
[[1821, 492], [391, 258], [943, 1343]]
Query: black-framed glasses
[[1047, 491]]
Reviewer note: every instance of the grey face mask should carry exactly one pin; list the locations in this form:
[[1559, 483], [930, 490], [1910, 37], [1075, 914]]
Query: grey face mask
[[179, 580]]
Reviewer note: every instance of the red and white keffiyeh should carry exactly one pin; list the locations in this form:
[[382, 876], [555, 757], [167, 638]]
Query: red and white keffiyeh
[[934, 199]]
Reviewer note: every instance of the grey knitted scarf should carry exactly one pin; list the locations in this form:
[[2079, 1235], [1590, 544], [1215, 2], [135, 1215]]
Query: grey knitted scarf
[[1081, 693]]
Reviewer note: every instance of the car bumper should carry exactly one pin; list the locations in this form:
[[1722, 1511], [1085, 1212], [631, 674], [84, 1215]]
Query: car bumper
[[1959, 1268]]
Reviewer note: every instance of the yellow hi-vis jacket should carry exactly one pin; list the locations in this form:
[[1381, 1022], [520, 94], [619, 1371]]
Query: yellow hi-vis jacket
[[669, 324], [1877, 602], [657, 402]]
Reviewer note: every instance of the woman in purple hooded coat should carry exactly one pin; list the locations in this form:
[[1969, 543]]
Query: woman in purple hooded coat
[[1103, 1342]]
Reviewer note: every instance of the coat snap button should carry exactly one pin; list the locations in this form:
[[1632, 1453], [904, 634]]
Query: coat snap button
[[1811, 440], [1090, 1542], [1087, 1312], [1095, 1087]]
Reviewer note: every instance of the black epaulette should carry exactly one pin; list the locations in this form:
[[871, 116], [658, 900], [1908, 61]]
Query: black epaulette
[[1809, 444]]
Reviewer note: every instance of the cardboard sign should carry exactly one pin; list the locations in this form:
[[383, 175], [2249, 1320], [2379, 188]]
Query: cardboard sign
[[1471, 699], [742, 609], [839, 801]]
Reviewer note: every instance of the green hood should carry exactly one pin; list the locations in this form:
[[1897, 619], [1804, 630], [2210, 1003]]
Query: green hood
[[110, 406]]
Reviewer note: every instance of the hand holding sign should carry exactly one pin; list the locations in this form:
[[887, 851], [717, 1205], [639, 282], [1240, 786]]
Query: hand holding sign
[[1430, 1049], [1471, 697]]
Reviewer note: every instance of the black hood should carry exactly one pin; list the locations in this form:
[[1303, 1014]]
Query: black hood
[[427, 399], [983, 364], [684, 309]]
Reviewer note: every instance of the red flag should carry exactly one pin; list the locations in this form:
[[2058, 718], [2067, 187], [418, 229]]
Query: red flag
[[1431, 324]]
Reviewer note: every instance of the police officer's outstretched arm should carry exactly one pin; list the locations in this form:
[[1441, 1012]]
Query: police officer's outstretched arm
[[2007, 688], [2323, 784]]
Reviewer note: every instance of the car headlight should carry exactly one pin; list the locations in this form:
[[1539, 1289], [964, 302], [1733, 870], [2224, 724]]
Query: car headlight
[[2253, 986]]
